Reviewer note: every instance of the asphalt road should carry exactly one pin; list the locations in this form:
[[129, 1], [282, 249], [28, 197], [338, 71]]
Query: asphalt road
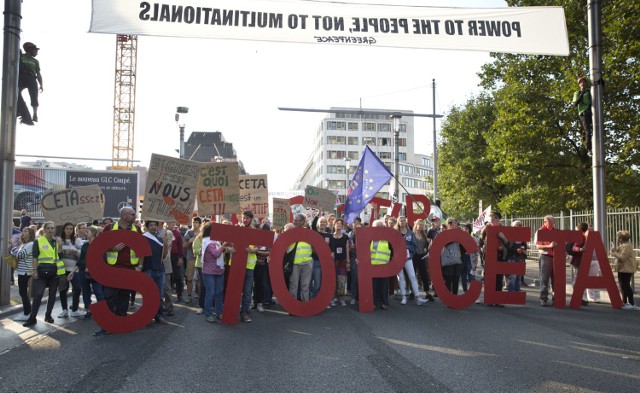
[[406, 349]]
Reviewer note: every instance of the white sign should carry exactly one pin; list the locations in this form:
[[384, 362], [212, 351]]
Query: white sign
[[528, 30]]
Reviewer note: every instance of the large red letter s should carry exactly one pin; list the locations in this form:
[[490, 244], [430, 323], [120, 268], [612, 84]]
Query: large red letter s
[[122, 278]]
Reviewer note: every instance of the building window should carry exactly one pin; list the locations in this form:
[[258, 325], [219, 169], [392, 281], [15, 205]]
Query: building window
[[371, 141], [336, 140], [402, 141], [426, 161], [353, 140], [341, 126], [336, 169], [403, 127], [335, 154], [331, 125], [385, 127], [369, 126], [402, 156], [354, 155], [353, 126], [385, 155], [384, 141]]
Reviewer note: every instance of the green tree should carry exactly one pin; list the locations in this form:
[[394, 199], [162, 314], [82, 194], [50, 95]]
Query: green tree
[[537, 161]]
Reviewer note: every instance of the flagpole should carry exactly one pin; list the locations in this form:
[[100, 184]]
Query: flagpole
[[396, 135], [435, 152]]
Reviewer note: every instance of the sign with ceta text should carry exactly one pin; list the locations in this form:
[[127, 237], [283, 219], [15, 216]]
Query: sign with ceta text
[[170, 192], [81, 204], [527, 30], [281, 212], [254, 195], [218, 191], [319, 198]]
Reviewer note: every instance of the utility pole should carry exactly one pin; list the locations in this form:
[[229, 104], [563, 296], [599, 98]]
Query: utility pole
[[594, 8], [435, 149], [10, 66]]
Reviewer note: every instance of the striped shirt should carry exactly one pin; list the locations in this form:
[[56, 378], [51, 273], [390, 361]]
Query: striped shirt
[[24, 253]]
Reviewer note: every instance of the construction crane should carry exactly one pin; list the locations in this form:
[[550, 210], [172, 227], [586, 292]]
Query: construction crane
[[124, 102]]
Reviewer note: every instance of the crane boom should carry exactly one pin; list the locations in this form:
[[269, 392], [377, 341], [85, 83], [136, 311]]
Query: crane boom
[[124, 102]]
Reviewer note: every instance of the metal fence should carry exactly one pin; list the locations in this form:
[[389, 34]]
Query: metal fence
[[617, 219]]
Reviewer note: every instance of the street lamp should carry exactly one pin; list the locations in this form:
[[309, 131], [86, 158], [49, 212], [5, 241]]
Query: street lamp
[[395, 117], [181, 110], [347, 164]]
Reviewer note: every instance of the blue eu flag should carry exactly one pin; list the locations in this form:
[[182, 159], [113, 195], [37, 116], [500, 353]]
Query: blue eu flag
[[371, 174]]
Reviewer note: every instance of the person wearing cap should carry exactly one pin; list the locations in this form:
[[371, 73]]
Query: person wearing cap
[[582, 100], [30, 78]]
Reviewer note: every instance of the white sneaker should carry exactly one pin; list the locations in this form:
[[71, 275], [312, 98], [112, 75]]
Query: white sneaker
[[64, 314], [21, 317], [627, 306], [353, 301], [404, 300], [633, 307], [260, 308], [420, 301], [333, 303], [77, 314], [200, 311], [343, 303]]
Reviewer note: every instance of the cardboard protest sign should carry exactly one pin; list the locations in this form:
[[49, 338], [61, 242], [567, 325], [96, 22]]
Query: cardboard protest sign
[[81, 204], [170, 192], [319, 198], [281, 212], [254, 195], [218, 191]]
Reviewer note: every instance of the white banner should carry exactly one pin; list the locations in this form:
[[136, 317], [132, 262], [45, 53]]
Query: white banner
[[527, 30]]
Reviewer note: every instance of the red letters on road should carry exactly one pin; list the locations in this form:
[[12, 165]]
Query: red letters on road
[[243, 237], [367, 271], [328, 288], [435, 268], [122, 278]]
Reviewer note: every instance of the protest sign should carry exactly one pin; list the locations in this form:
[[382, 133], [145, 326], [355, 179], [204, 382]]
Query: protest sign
[[254, 195], [319, 198], [170, 192], [218, 191], [81, 204], [281, 212]]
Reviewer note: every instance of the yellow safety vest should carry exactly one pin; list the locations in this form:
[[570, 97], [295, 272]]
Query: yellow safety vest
[[48, 254], [380, 254], [252, 258], [112, 256], [303, 253]]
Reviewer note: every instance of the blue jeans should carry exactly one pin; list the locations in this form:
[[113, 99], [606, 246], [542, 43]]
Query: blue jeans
[[158, 278], [203, 288], [215, 288], [246, 291], [86, 288], [514, 282], [316, 278], [354, 279]]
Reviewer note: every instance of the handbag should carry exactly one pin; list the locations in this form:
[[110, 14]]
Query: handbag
[[11, 260], [287, 263], [47, 270]]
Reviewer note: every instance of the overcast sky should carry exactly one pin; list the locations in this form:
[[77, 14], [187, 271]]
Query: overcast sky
[[230, 86]]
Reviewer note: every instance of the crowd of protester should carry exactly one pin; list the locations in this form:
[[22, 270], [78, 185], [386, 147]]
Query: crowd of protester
[[190, 265]]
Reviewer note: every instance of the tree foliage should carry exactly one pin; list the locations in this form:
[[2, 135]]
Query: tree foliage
[[520, 141]]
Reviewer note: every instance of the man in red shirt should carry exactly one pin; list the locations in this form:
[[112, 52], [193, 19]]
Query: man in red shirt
[[546, 260]]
